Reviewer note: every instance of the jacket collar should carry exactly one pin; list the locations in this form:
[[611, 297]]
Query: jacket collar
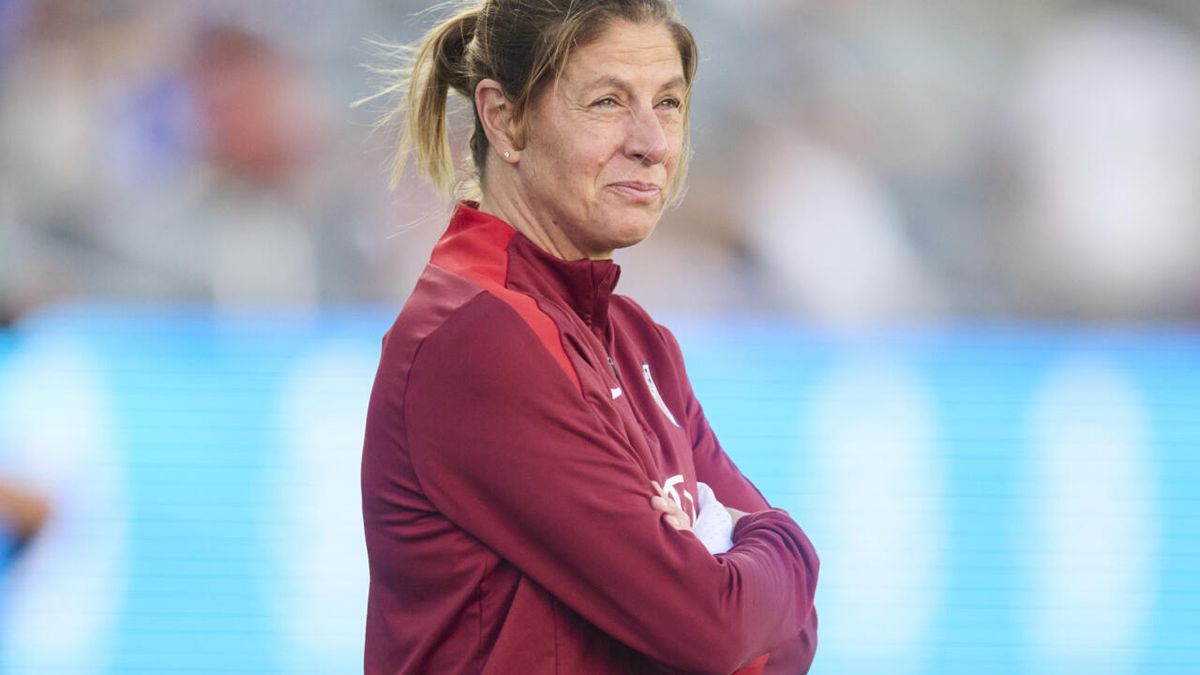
[[488, 246]]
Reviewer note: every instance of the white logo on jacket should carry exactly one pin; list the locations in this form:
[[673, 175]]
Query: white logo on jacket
[[712, 523], [669, 487]]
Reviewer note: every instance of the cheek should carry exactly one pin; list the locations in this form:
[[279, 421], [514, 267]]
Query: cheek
[[598, 144], [675, 136], [592, 163]]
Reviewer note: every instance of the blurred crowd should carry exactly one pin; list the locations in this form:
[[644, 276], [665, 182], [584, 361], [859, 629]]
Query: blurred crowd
[[856, 163]]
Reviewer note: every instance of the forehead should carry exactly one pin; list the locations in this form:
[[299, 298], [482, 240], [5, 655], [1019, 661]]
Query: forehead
[[643, 54]]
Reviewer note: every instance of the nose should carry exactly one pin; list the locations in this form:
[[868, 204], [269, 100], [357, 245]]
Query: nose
[[646, 140]]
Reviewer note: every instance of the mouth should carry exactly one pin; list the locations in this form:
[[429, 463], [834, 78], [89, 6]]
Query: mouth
[[637, 191]]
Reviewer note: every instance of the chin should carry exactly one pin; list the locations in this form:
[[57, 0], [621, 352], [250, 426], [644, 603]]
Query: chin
[[626, 243], [617, 228], [633, 233]]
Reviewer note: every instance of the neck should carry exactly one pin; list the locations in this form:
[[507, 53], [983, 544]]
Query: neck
[[503, 198]]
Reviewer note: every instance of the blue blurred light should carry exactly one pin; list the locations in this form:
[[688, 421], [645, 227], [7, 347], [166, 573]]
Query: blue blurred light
[[225, 460]]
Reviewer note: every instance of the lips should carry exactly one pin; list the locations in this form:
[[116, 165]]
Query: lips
[[637, 190]]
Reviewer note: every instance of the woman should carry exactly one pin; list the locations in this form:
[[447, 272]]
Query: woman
[[541, 491]]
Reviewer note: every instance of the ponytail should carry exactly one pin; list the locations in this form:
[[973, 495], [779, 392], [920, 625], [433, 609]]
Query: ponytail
[[440, 65], [423, 81]]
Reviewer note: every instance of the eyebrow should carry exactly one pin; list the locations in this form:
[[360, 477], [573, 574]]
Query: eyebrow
[[618, 83]]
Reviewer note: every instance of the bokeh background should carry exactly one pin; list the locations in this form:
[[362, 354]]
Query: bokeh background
[[937, 279]]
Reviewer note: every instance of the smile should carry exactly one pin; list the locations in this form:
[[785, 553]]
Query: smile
[[638, 192]]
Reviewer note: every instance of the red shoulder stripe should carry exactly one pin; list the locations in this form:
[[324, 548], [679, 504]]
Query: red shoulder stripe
[[476, 247]]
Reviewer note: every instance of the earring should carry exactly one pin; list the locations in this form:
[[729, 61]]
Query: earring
[[507, 154]]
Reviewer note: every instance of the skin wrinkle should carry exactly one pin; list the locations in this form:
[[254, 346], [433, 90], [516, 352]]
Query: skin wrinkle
[[605, 143]]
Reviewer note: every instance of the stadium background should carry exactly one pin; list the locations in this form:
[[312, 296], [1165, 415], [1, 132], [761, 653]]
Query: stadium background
[[936, 279]]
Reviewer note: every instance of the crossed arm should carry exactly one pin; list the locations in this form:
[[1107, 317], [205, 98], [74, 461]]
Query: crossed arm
[[523, 465], [738, 496]]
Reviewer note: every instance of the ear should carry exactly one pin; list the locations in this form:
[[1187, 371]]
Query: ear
[[495, 114]]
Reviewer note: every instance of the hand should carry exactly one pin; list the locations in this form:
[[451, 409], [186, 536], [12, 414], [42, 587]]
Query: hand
[[676, 517]]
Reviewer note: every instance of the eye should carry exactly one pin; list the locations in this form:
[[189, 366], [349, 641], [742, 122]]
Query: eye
[[670, 103], [606, 102]]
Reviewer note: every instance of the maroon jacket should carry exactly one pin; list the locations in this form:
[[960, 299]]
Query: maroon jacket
[[520, 412]]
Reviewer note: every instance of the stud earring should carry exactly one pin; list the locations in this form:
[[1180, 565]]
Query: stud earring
[[507, 154]]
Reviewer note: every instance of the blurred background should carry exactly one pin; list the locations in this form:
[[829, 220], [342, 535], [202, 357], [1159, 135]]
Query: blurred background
[[937, 279]]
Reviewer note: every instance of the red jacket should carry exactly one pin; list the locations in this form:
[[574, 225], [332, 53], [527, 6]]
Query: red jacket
[[519, 414]]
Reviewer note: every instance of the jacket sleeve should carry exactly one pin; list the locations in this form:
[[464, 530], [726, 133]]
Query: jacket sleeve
[[732, 488], [505, 446]]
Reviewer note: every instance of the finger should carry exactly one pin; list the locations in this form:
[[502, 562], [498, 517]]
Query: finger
[[667, 506], [668, 509], [658, 488]]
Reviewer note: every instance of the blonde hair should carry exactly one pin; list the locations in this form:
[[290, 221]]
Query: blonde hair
[[522, 44]]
